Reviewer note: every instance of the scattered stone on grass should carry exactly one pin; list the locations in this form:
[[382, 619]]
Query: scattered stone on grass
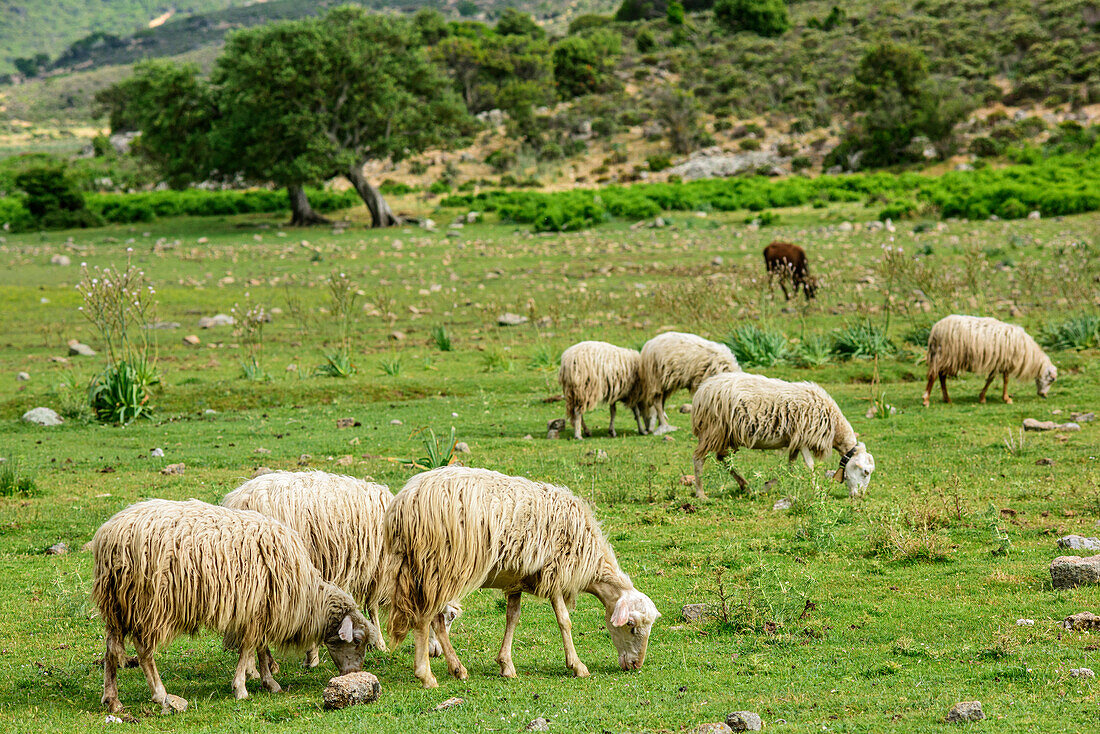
[[598, 456], [192, 340], [305, 459], [351, 690], [1067, 572], [714, 727], [1031, 424], [1045, 461], [173, 705], [744, 721], [694, 612], [261, 450], [511, 319], [22, 377], [1082, 621], [687, 480], [156, 453], [77, 349], [539, 724], [397, 422], [1083, 417], [528, 437], [398, 336], [685, 408], [1025, 622], [42, 417], [346, 460], [57, 549], [1079, 542], [783, 503], [462, 447], [62, 260], [347, 423], [261, 470], [220, 319], [965, 711], [174, 468], [1081, 673], [450, 703]]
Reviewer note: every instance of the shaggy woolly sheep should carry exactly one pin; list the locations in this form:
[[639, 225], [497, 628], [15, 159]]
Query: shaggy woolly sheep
[[974, 344], [737, 410], [340, 521], [597, 372], [165, 568], [452, 530], [674, 360]]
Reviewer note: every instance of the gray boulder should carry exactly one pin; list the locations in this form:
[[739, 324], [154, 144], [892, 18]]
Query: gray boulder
[[351, 690], [1079, 542], [221, 319], [43, 417], [511, 319], [712, 163], [744, 721], [965, 711], [1067, 572], [76, 349]]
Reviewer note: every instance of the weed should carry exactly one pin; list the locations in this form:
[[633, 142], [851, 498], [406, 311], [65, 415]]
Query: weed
[[769, 602], [862, 339], [1014, 444], [437, 454], [337, 364], [249, 323], [121, 393], [813, 351], [545, 357], [495, 361], [820, 519], [390, 367], [756, 347], [1002, 544], [442, 338], [1079, 332], [16, 482]]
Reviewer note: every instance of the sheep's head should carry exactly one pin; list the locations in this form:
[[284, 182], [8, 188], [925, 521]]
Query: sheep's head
[[630, 622], [1045, 379], [856, 473], [346, 640]]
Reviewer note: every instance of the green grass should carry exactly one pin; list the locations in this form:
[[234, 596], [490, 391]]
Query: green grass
[[910, 609]]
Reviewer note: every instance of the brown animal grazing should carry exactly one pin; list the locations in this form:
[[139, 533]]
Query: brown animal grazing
[[788, 262]]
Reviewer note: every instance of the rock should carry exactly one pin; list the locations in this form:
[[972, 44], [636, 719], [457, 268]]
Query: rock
[[1036, 214], [347, 423], [511, 319], [744, 721], [173, 705], [472, 217], [1082, 621], [221, 319], [1068, 427], [42, 417], [396, 422], [685, 408], [1067, 572], [450, 703], [1081, 673], [462, 447], [1046, 461], [397, 336], [351, 690], [121, 143], [156, 453], [845, 227], [712, 163], [22, 377], [1025, 622], [492, 117], [261, 470], [76, 349], [783, 503], [304, 459], [57, 549], [164, 325], [599, 456], [192, 340], [427, 224], [965, 711], [1083, 417], [694, 612], [112, 719], [716, 727], [62, 260], [1079, 542], [539, 724], [555, 427], [174, 468], [717, 261], [1030, 424]]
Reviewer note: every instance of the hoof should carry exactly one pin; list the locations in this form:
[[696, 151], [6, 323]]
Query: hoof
[[430, 682], [460, 673], [240, 695], [508, 672], [113, 705], [273, 687], [173, 705], [662, 430], [1008, 401], [581, 671]]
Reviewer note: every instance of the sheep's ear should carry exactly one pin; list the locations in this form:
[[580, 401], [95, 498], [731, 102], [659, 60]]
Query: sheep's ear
[[621, 615], [346, 631]]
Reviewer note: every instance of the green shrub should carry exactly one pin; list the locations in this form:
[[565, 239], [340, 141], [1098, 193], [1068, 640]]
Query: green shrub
[[121, 393], [1079, 332], [645, 42], [15, 482], [862, 339], [986, 147], [813, 351], [659, 162], [675, 13], [801, 163], [764, 17], [749, 144], [918, 335], [756, 347]]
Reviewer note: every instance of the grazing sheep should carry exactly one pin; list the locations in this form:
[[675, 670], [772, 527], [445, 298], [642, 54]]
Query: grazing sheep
[[452, 530], [340, 521], [597, 372], [787, 261], [738, 410], [675, 360], [975, 344], [165, 568]]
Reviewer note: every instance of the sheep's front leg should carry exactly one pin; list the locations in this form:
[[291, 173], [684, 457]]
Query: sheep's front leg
[[423, 668], [733, 472], [808, 457], [168, 702], [577, 419], [246, 662], [928, 387], [1004, 393], [639, 420], [611, 427], [981, 395], [111, 659], [267, 670], [561, 611], [380, 641], [312, 658], [699, 462], [943, 388], [511, 619], [458, 670]]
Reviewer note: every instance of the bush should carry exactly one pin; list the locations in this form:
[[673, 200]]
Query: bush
[[814, 351], [764, 17], [801, 163], [53, 199], [14, 482], [749, 144], [862, 339], [1012, 208], [644, 41], [658, 162], [756, 347], [120, 393], [583, 64], [986, 147], [675, 13], [1079, 332]]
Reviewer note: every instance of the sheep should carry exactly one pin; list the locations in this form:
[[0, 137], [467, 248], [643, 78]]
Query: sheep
[[787, 261], [165, 568], [675, 360], [452, 530], [739, 410], [597, 372], [975, 344], [340, 521]]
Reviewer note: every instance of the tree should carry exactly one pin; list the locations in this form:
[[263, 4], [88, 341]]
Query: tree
[[498, 72], [582, 64], [53, 199], [31, 65], [764, 17], [675, 13], [678, 111], [514, 23], [431, 25]]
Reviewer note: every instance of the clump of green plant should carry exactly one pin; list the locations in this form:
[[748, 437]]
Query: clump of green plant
[[441, 338], [343, 296], [545, 357], [120, 304], [249, 322], [16, 482], [437, 453], [820, 518], [495, 361], [767, 602], [757, 347], [918, 335], [862, 339], [813, 351], [1002, 544], [1079, 332], [391, 366], [909, 536]]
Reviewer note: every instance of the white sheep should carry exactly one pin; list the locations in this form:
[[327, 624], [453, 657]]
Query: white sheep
[[738, 410], [456, 529], [340, 520], [975, 344], [675, 360], [165, 568], [597, 372]]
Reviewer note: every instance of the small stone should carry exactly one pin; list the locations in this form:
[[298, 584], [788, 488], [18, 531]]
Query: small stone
[[1082, 621], [304, 459], [716, 727], [351, 689], [347, 423], [528, 437], [744, 721], [694, 612], [209, 411], [1025, 622], [552, 434], [1083, 417], [156, 453], [511, 319], [462, 447], [965, 711], [1031, 424], [1036, 214], [1068, 427], [1081, 673], [221, 319], [43, 417], [112, 719], [599, 456], [76, 349], [261, 470], [22, 377], [398, 336], [539, 724], [685, 408], [687, 480], [717, 261], [261, 450], [173, 705], [174, 469], [62, 260], [1079, 542], [396, 422], [1047, 461], [783, 503], [346, 460], [450, 703], [57, 549], [192, 340], [1067, 572]]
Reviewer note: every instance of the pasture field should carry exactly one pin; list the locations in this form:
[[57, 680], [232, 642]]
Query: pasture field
[[873, 614]]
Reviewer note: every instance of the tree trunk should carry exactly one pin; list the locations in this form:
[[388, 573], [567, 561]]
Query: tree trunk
[[380, 213], [301, 213]]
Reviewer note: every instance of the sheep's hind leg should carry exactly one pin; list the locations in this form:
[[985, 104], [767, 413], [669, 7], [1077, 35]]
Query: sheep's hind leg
[[981, 395], [245, 662], [511, 619], [111, 660], [561, 611], [458, 670], [640, 421], [268, 667], [168, 702], [423, 668], [733, 473], [943, 388], [611, 426], [577, 419], [664, 426], [699, 463], [380, 643], [312, 658], [928, 387], [808, 457], [1004, 393]]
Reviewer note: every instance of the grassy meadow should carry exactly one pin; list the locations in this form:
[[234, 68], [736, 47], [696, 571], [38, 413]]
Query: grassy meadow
[[873, 614]]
